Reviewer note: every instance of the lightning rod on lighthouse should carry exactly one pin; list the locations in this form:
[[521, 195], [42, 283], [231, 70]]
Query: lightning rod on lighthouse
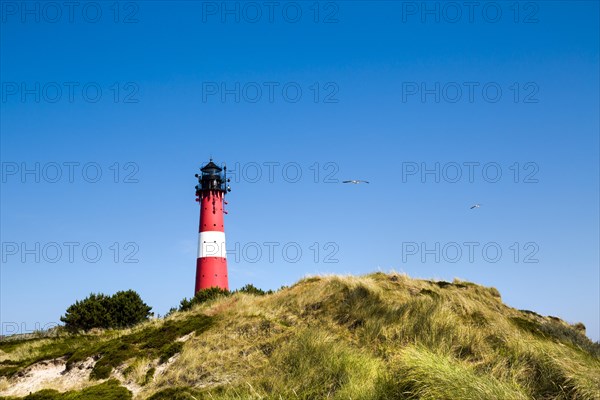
[[211, 264]]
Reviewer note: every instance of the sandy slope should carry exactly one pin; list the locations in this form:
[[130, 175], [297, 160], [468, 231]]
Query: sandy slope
[[50, 373]]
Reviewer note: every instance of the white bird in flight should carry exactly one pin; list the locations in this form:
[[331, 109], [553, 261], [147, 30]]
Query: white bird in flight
[[475, 206], [355, 181]]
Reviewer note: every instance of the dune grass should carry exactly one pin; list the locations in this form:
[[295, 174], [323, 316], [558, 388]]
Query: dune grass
[[380, 336]]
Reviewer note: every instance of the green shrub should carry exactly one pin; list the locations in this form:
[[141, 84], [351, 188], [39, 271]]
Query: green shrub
[[202, 296], [149, 376], [92, 312], [123, 309], [46, 394], [251, 289], [169, 351], [128, 309], [109, 390]]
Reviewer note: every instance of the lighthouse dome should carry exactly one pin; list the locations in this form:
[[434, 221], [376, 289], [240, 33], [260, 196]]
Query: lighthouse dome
[[211, 168]]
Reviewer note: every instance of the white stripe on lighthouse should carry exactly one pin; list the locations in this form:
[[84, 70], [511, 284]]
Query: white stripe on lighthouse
[[211, 244]]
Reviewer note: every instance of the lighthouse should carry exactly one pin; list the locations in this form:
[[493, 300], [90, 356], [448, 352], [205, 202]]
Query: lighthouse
[[211, 264]]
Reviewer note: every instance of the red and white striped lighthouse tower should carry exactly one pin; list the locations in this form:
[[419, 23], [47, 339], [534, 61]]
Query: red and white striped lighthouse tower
[[211, 265]]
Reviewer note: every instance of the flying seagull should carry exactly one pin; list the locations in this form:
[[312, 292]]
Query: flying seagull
[[355, 181], [475, 206]]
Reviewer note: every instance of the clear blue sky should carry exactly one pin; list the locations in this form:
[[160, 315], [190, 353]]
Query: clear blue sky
[[388, 90]]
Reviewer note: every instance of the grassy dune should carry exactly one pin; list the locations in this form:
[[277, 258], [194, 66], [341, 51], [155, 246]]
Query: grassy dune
[[380, 336]]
